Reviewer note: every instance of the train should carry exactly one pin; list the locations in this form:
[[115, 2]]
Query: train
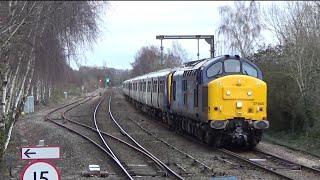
[[221, 101]]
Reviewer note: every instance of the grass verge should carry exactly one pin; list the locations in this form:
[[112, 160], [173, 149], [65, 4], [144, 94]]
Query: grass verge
[[300, 142]]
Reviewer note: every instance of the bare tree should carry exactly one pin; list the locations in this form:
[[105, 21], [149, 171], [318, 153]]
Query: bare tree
[[149, 59], [297, 28], [241, 26], [37, 39]]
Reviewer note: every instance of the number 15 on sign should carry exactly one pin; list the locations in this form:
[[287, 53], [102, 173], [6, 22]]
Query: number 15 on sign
[[40, 170]]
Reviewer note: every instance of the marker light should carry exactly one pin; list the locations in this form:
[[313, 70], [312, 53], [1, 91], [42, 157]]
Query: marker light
[[249, 93], [239, 105], [259, 108], [228, 93], [239, 82]]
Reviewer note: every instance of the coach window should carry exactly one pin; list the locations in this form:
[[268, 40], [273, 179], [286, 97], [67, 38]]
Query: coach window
[[249, 70], [149, 86], [231, 65], [161, 86], [214, 69], [155, 86]]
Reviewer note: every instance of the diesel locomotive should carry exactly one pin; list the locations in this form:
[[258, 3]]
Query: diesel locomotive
[[221, 101]]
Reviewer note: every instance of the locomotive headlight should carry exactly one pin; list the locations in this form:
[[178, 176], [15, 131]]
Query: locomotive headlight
[[228, 93], [249, 93], [239, 104]]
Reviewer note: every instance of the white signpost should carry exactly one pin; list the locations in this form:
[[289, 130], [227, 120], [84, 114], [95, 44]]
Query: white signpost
[[40, 170], [30, 153]]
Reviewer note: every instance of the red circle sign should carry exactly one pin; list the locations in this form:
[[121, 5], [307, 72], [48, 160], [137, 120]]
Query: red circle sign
[[40, 170]]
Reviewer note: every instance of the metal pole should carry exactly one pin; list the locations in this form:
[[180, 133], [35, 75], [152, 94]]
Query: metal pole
[[161, 48], [212, 47], [198, 49]]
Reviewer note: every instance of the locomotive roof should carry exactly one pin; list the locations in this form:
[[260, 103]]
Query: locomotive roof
[[187, 66]]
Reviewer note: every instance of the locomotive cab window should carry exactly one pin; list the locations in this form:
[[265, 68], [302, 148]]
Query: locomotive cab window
[[231, 65], [215, 69], [249, 70]]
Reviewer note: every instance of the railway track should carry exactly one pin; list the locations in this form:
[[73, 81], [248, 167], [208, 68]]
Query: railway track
[[108, 138], [91, 140], [275, 164], [202, 166], [167, 168], [281, 167]]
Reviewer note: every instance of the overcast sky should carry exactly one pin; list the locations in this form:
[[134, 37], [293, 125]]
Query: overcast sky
[[129, 25]]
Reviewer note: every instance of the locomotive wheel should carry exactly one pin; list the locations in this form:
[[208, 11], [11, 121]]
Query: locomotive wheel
[[218, 141], [209, 139], [213, 139], [253, 142], [170, 122]]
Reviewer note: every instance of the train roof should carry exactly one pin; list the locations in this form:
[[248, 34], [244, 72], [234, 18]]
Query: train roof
[[159, 73], [192, 65]]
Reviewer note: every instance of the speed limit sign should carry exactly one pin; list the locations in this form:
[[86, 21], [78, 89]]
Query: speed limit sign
[[40, 170]]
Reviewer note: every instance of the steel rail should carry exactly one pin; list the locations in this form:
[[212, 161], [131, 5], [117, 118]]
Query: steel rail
[[115, 158], [140, 146], [84, 136], [109, 135], [230, 153], [76, 132], [288, 161], [61, 107], [170, 145]]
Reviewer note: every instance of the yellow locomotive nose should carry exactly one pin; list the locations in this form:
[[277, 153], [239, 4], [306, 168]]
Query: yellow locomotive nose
[[237, 96]]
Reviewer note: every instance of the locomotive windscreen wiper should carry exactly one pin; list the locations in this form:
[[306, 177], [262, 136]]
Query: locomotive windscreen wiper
[[245, 72]]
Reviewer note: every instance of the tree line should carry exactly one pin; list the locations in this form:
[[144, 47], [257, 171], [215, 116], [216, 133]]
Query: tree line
[[149, 59], [37, 41], [291, 67]]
